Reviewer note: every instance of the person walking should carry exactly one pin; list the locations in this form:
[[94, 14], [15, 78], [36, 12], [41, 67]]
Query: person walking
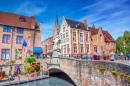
[[98, 55], [89, 57], [95, 56], [128, 56], [122, 56], [112, 56], [116, 55], [104, 56]]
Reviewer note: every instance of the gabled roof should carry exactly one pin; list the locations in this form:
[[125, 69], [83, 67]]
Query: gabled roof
[[11, 19], [107, 36], [73, 24], [91, 28], [95, 31]]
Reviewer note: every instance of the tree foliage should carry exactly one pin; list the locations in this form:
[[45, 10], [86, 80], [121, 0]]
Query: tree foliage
[[120, 43], [30, 60]]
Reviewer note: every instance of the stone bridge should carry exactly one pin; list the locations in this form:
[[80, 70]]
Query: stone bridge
[[89, 73]]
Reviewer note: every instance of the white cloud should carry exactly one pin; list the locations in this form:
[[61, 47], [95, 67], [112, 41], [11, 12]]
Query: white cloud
[[30, 9]]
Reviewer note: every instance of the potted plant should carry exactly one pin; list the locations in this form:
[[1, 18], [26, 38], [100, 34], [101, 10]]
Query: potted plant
[[3, 73], [129, 78]]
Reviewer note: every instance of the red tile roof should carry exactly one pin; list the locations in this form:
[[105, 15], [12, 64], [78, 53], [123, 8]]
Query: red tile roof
[[11, 19], [91, 28], [107, 36], [95, 31]]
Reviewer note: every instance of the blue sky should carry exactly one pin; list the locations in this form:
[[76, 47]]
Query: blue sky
[[112, 15]]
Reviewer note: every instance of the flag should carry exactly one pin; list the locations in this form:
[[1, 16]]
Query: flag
[[24, 43], [18, 53], [29, 51]]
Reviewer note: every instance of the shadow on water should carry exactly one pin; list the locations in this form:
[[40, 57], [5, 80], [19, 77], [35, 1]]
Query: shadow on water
[[63, 76]]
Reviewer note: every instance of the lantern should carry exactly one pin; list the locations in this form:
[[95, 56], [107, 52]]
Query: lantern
[[59, 41], [53, 42]]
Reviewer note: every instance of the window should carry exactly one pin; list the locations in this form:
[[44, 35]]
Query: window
[[6, 38], [63, 38], [63, 29], [22, 19], [64, 49], [19, 39], [5, 54], [75, 47], [95, 49], [19, 30], [20, 56], [81, 37], [87, 37], [101, 48], [74, 36], [67, 48], [82, 48], [67, 37], [100, 37], [87, 48], [7, 29]]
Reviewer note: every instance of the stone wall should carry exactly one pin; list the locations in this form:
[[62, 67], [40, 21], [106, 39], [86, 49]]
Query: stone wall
[[88, 73]]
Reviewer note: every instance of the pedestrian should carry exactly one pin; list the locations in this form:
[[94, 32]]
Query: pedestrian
[[128, 56], [112, 56], [104, 55], [116, 55], [89, 57], [79, 57], [122, 56], [98, 55], [95, 56]]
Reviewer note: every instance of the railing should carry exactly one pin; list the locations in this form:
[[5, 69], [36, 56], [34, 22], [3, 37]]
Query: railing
[[21, 78]]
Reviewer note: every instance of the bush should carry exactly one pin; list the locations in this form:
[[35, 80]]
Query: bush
[[30, 60], [102, 69], [31, 68], [115, 73]]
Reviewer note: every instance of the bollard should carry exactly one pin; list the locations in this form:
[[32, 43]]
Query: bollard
[[19, 78], [35, 75], [48, 74], [28, 76], [9, 80]]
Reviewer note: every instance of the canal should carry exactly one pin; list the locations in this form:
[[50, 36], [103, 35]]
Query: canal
[[57, 79]]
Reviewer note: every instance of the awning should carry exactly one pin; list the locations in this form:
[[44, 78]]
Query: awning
[[37, 50]]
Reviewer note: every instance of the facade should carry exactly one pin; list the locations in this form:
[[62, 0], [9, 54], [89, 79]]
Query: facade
[[101, 41], [74, 40], [13, 28], [47, 45]]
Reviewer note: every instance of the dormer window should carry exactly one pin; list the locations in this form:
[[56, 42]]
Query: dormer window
[[22, 19]]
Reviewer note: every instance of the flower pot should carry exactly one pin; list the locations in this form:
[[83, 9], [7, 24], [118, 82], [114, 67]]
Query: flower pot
[[126, 79]]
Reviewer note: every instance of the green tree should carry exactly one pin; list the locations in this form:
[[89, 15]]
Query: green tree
[[120, 43], [30, 60]]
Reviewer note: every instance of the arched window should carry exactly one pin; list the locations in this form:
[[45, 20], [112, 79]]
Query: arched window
[[95, 48], [100, 37]]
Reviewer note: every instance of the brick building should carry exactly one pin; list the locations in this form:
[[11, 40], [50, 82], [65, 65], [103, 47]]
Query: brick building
[[74, 40], [101, 40], [13, 28], [47, 45]]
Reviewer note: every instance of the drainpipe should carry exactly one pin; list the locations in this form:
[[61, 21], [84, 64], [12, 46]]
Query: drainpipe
[[11, 50]]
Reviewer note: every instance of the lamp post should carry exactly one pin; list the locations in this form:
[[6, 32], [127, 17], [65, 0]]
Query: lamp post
[[92, 42]]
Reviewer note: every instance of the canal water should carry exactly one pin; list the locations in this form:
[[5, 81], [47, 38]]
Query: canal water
[[56, 80]]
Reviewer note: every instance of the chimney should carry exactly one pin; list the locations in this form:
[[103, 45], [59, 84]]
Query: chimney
[[33, 22], [85, 22], [40, 23]]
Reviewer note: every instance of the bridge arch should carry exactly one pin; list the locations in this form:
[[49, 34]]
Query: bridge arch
[[56, 70]]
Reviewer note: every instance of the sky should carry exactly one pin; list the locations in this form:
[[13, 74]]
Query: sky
[[112, 15]]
